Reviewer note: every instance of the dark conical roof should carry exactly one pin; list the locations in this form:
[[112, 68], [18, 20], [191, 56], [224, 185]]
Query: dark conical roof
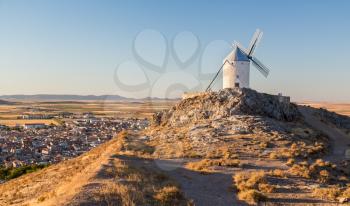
[[237, 55]]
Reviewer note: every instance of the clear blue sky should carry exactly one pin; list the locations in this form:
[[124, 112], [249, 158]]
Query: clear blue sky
[[75, 46]]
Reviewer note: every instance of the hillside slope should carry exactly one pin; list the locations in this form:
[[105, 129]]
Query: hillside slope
[[3, 102], [232, 147], [57, 183], [248, 134], [94, 178]]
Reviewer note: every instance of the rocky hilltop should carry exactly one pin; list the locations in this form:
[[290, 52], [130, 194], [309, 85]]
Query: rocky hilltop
[[296, 152], [226, 103]]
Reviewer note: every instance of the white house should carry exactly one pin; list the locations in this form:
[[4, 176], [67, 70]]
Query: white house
[[34, 126]]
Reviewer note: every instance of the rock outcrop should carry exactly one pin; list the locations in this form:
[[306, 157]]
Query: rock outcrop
[[226, 103]]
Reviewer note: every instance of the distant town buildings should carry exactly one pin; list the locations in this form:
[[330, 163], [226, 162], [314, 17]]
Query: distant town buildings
[[38, 143], [34, 126]]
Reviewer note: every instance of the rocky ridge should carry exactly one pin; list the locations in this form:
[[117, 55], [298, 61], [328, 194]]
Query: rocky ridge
[[226, 103]]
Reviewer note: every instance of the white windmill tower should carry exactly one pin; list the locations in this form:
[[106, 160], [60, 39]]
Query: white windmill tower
[[236, 66]]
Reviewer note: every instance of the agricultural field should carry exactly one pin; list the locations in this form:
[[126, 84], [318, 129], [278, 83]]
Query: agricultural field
[[10, 114], [340, 108]]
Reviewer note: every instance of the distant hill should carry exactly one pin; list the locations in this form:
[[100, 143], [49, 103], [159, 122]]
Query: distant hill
[[55, 97], [3, 102], [59, 97]]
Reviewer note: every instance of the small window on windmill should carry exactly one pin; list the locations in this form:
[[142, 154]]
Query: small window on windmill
[[237, 76], [236, 84]]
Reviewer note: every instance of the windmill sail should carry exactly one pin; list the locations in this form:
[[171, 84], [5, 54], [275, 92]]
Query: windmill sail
[[237, 44], [216, 75], [262, 68], [254, 42]]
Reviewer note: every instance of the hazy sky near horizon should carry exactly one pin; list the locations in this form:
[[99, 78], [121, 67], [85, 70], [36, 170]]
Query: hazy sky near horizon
[[80, 46]]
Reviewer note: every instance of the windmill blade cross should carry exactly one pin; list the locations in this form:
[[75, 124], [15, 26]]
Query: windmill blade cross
[[216, 75], [237, 44], [262, 68], [254, 42]]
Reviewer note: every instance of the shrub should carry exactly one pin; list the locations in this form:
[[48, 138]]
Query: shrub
[[300, 170], [41, 199], [11, 173], [203, 165], [290, 161], [263, 145], [251, 196], [251, 180], [266, 188], [250, 185], [330, 193], [324, 176], [346, 193], [278, 173], [273, 155], [321, 170], [168, 195]]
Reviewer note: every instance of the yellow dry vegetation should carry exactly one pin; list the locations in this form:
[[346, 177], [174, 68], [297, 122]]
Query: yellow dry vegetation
[[251, 186], [205, 165], [20, 122]]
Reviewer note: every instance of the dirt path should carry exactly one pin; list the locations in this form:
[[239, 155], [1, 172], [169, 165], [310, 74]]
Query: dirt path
[[203, 189], [340, 142]]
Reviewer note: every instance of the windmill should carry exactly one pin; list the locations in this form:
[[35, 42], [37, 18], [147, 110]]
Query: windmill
[[236, 66]]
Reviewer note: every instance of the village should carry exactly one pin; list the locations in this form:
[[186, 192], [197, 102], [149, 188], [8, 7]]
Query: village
[[41, 144]]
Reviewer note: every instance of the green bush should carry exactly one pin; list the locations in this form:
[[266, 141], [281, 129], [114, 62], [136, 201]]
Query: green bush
[[11, 173]]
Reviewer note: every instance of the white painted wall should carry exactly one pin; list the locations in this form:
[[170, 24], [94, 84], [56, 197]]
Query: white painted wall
[[238, 72], [242, 70], [228, 75]]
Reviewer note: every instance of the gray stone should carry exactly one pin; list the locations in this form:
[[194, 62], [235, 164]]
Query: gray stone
[[226, 103]]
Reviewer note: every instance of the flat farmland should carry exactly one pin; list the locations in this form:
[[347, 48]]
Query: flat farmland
[[107, 108], [340, 108], [18, 122], [10, 114]]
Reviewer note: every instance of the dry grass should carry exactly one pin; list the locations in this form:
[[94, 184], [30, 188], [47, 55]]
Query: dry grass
[[9, 113], [221, 152], [300, 171], [251, 186], [127, 185], [66, 176], [263, 145], [205, 165], [279, 173], [333, 193], [319, 170], [273, 155], [15, 122], [113, 194], [251, 196], [290, 161], [346, 193], [301, 150], [140, 186], [192, 154], [330, 193], [168, 195]]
